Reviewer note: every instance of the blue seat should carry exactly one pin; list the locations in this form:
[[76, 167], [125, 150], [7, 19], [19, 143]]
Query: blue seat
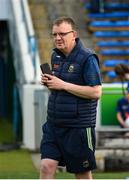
[[113, 43], [111, 74], [109, 24], [114, 62], [121, 23], [110, 34], [116, 6], [111, 6], [114, 52], [101, 24], [108, 15]]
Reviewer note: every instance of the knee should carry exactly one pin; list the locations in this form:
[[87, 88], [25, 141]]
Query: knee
[[84, 175], [47, 167]]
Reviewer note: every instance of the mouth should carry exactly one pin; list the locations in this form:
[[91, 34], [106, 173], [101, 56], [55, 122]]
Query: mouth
[[59, 43]]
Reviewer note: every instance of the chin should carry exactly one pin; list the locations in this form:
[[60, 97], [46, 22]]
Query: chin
[[59, 47]]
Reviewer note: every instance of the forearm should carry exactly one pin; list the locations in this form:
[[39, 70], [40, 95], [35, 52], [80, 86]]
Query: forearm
[[84, 91], [120, 119], [89, 92]]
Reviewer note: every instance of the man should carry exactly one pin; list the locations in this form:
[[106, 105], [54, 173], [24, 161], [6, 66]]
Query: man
[[123, 111], [122, 71], [69, 133]]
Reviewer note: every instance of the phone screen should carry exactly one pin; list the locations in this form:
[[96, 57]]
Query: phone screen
[[45, 68]]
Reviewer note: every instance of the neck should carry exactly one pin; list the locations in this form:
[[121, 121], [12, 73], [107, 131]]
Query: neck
[[69, 50]]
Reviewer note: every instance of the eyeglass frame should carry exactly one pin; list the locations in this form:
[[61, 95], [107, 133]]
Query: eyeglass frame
[[54, 35]]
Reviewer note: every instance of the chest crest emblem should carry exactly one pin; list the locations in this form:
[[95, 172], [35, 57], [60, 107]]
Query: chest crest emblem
[[71, 68]]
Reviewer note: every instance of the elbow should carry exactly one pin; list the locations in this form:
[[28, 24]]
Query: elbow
[[97, 93]]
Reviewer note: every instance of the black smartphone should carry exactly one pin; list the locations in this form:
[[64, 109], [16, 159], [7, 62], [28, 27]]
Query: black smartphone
[[45, 68]]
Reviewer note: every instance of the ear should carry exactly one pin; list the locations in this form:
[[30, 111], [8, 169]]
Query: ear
[[75, 34]]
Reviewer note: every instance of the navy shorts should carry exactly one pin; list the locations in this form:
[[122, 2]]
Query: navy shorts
[[71, 147]]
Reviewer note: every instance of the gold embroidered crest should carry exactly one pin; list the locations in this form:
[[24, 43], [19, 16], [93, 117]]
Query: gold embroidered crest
[[71, 68], [85, 164]]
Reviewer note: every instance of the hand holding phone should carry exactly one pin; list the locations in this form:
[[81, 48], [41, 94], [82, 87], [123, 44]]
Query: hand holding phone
[[45, 68]]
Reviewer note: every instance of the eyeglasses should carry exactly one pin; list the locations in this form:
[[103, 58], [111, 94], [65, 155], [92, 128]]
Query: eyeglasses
[[60, 34]]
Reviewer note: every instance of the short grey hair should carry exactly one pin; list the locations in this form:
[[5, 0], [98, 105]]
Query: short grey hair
[[66, 19]]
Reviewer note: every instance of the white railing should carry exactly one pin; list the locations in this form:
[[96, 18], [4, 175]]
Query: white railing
[[23, 42]]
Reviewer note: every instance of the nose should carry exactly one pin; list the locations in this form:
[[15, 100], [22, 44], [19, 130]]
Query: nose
[[58, 36]]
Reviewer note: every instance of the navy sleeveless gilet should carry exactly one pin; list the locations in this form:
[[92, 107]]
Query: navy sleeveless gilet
[[64, 108]]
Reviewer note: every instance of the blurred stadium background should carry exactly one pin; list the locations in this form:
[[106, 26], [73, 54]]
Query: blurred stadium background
[[25, 43]]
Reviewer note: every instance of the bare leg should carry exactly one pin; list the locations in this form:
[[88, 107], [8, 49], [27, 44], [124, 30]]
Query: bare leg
[[127, 134], [48, 168], [85, 175]]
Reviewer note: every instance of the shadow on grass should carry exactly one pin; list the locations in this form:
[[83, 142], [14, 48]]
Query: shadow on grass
[[17, 164], [6, 132]]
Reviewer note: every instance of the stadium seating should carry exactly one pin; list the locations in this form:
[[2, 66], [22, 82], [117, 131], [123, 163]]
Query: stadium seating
[[109, 26], [111, 34], [109, 64], [109, 29], [111, 44], [111, 6], [114, 62], [111, 74], [114, 53], [116, 6], [107, 16]]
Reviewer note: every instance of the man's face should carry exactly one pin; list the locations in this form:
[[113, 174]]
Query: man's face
[[64, 37]]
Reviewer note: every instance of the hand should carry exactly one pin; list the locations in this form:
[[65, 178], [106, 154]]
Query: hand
[[54, 82], [44, 79]]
